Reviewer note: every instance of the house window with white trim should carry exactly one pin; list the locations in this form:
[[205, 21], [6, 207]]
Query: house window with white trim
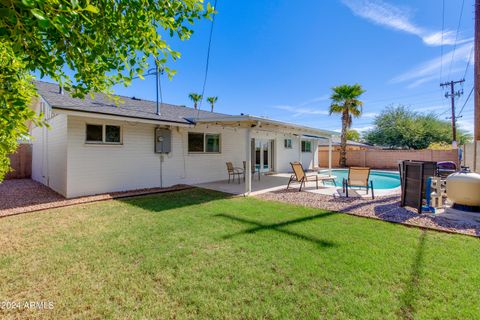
[[103, 134], [287, 143], [306, 146], [203, 142]]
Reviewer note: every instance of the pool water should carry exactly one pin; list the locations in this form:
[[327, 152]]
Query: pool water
[[381, 179]]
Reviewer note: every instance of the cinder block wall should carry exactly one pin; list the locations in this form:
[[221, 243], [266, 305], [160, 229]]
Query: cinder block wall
[[386, 159]]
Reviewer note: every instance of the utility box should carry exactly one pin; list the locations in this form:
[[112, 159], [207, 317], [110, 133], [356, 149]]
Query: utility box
[[163, 140]]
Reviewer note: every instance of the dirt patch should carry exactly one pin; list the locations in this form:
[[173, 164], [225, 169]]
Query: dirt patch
[[383, 208], [25, 195]]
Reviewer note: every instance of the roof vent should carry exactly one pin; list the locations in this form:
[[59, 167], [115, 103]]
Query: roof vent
[[60, 89], [135, 98]]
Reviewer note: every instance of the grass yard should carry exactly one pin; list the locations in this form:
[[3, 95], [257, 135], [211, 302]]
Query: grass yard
[[198, 254]]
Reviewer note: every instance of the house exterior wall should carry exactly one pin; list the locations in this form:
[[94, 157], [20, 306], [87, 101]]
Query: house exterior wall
[[101, 168], [282, 156], [49, 154], [309, 160], [63, 161]]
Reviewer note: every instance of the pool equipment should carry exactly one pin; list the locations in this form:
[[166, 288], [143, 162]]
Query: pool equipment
[[429, 207], [444, 168], [463, 188], [413, 176], [438, 192]]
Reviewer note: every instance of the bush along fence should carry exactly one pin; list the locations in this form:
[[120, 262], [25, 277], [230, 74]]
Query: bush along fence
[[21, 163], [386, 159]]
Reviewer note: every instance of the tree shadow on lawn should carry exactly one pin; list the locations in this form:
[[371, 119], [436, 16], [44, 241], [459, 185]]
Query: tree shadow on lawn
[[176, 199], [411, 292], [259, 226]]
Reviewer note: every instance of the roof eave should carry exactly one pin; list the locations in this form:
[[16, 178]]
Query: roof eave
[[259, 121]]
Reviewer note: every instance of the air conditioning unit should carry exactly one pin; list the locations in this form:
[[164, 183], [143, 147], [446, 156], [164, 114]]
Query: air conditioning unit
[[163, 140]]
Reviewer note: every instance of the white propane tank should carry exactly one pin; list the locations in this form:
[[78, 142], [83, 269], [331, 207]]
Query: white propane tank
[[464, 188]]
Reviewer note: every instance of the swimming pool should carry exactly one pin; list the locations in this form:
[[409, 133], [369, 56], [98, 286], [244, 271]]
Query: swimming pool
[[381, 179]]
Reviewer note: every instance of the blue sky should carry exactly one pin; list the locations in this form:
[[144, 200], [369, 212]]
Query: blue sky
[[280, 58]]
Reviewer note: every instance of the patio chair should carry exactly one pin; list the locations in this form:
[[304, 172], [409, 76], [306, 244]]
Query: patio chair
[[300, 176], [254, 170], [358, 177], [234, 171]]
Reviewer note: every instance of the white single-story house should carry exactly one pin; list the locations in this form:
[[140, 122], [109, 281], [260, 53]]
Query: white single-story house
[[94, 146]]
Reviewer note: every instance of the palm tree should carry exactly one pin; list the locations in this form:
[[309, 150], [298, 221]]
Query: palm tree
[[195, 97], [212, 101], [345, 101]]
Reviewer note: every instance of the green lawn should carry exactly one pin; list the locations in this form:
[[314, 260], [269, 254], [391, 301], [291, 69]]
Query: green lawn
[[198, 254]]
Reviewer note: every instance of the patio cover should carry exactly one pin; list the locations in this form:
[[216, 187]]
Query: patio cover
[[253, 122]]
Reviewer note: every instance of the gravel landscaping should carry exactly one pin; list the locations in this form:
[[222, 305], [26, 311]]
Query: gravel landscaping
[[26, 195], [383, 208]]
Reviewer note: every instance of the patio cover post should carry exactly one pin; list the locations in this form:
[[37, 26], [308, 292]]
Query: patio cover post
[[330, 155], [248, 167]]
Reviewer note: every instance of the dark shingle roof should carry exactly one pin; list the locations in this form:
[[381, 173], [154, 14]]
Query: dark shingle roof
[[133, 108]]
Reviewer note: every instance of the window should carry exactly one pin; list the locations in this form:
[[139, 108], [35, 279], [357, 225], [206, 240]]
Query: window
[[306, 146], [288, 143], [106, 134], [94, 133], [112, 134], [203, 142], [212, 143]]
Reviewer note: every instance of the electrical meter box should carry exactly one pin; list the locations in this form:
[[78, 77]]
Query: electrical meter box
[[163, 140]]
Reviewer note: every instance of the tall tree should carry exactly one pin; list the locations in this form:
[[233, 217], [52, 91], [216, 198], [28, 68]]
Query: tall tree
[[212, 101], [353, 135], [345, 102], [195, 97], [399, 127], [102, 43]]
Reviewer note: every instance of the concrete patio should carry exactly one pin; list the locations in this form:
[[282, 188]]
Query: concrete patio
[[279, 181]]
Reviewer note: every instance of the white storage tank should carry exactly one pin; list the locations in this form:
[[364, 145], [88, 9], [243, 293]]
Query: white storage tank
[[463, 188]]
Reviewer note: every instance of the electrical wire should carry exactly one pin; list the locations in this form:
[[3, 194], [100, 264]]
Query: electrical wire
[[441, 41], [469, 61], [456, 38], [208, 59], [466, 101]]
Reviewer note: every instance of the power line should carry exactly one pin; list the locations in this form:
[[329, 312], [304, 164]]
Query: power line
[[441, 43], [466, 101], [469, 61], [452, 96], [208, 58], [456, 38], [426, 93]]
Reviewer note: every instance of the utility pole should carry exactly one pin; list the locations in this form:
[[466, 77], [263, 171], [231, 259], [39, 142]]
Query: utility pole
[[476, 96], [452, 95]]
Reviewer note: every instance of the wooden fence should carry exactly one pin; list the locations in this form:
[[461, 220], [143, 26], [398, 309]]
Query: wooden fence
[[21, 163], [386, 159]]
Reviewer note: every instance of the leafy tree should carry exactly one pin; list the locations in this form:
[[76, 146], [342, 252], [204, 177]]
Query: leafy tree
[[440, 146], [102, 43], [212, 101], [195, 97], [353, 135], [399, 127], [345, 102]]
